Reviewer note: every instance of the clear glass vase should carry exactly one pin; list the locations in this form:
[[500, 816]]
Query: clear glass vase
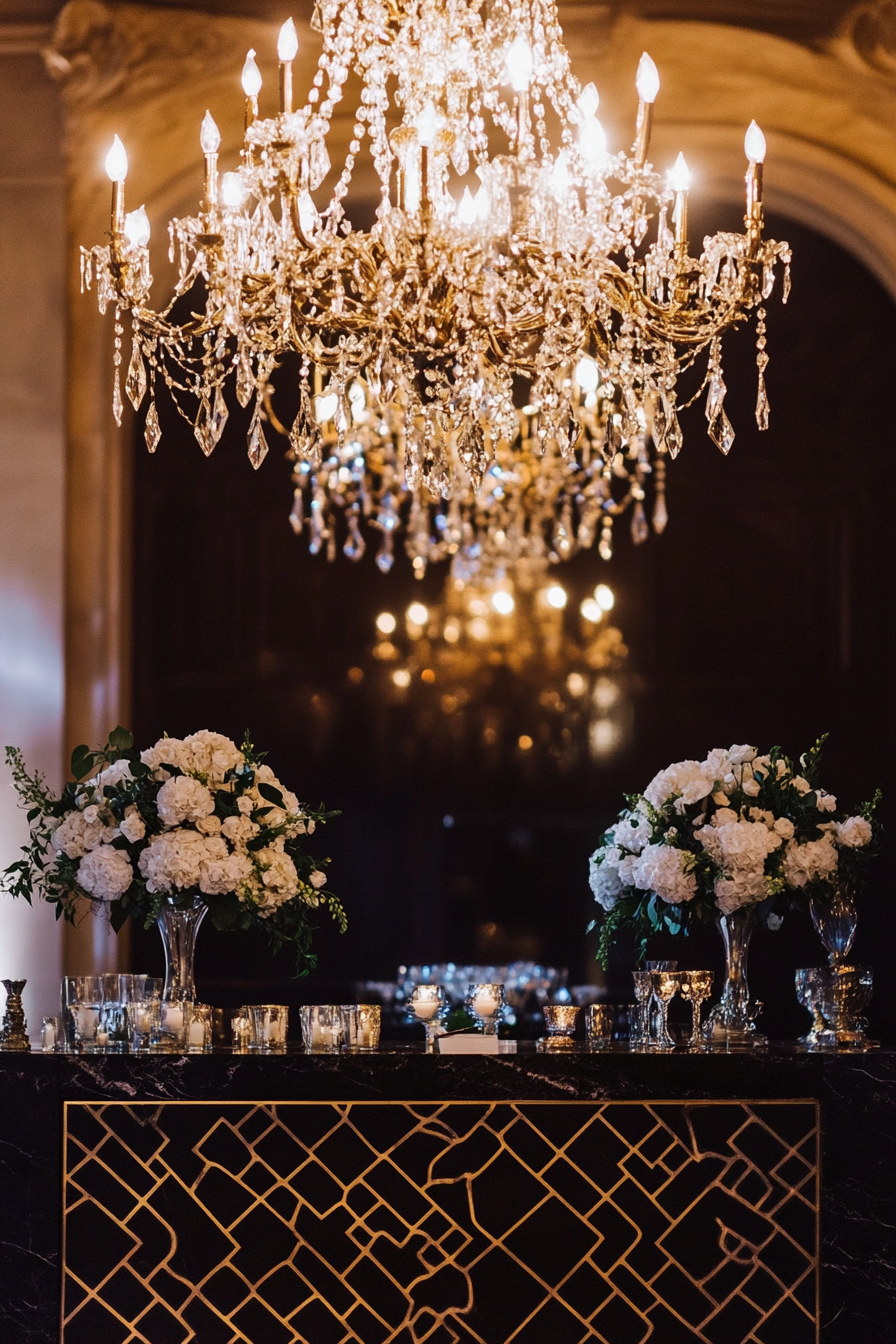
[[835, 920], [178, 928], [730, 1022]]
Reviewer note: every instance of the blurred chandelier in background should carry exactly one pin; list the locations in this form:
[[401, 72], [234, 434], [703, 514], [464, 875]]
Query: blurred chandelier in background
[[534, 502], [504, 669], [454, 307]]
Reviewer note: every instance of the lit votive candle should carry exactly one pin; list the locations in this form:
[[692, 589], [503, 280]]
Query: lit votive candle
[[102, 1036], [174, 1018], [196, 1033], [485, 1005], [426, 1008]]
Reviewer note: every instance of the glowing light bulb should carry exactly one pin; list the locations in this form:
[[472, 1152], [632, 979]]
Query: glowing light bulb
[[556, 597], [592, 610], [679, 175], [251, 75], [117, 162], [560, 174], [647, 80], [232, 193], [587, 375], [417, 614], [466, 211], [386, 623], [604, 597], [427, 125], [592, 140], [519, 64], [287, 42], [402, 678], [588, 100], [483, 204], [209, 135], [754, 144], [136, 227], [576, 684], [503, 602], [325, 407]]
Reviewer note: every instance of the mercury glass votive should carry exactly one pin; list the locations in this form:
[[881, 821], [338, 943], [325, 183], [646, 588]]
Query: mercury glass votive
[[428, 1005], [323, 1032], [240, 1029], [560, 1021], [486, 1004], [361, 1025]]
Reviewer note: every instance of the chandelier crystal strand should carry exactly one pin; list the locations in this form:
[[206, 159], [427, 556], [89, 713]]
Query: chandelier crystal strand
[[499, 256], [533, 503]]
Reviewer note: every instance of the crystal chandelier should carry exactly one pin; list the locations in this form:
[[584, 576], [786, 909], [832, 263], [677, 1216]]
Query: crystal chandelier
[[453, 299], [533, 502], [501, 667]]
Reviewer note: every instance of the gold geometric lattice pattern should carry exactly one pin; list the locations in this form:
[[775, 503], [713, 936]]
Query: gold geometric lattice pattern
[[454, 1223]]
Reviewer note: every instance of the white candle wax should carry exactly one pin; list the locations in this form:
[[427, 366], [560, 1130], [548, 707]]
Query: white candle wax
[[426, 1008], [323, 1037], [102, 1037], [174, 1019], [197, 1032], [485, 1005], [49, 1038]]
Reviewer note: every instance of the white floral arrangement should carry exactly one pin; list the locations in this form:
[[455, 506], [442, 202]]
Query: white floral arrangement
[[190, 818], [709, 837]]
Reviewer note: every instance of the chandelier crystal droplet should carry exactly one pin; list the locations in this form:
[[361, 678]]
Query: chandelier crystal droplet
[[511, 241]]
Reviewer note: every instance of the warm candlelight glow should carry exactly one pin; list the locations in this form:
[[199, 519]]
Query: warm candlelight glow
[[503, 602], [466, 211], [426, 125], [251, 75], [587, 375], [136, 227], [754, 144], [519, 64], [209, 135], [588, 100], [680, 175], [232, 193], [556, 597], [647, 80], [117, 161], [592, 141], [287, 42]]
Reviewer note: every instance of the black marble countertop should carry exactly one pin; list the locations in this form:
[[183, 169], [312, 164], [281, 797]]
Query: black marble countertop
[[856, 1094]]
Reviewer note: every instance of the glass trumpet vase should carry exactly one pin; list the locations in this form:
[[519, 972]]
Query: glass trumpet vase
[[835, 919], [179, 928], [730, 1023]]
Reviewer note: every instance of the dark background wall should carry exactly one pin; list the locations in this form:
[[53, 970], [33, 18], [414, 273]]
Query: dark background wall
[[762, 615]]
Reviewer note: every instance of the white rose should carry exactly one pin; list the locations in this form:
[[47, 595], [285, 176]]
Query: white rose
[[132, 825], [750, 787], [208, 825], [784, 827], [724, 816], [246, 803], [855, 832], [687, 780], [825, 802], [239, 830], [183, 799], [112, 775], [762, 814], [105, 873], [317, 879], [741, 755], [91, 814], [801, 785]]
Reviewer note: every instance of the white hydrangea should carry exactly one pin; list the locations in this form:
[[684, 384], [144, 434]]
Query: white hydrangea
[[173, 860], [662, 868], [318, 879], [211, 755], [76, 836], [219, 876], [604, 880], [183, 799], [105, 873], [239, 830], [808, 862], [112, 775], [275, 881], [743, 887], [632, 832], [854, 833], [784, 827]]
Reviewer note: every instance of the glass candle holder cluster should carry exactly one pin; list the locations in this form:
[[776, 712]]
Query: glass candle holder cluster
[[328, 1028], [560, 1022]]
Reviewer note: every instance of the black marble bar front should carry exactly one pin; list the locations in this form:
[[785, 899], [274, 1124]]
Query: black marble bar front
[[855, 1097]]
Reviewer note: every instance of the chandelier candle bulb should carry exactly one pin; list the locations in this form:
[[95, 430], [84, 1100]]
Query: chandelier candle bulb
[[648, 85], [287, 47], [117, 170], [754, 147], [251, 81], [210, 140], [679, 182]]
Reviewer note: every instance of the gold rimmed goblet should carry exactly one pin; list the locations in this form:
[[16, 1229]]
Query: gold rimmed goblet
[[665, 986], [696, 986]]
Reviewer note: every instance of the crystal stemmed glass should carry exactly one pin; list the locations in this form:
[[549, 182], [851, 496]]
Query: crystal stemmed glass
[[485, 1002], [428, 1005], [665, 987], [835, 922], [643, 994], [696, 986]]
